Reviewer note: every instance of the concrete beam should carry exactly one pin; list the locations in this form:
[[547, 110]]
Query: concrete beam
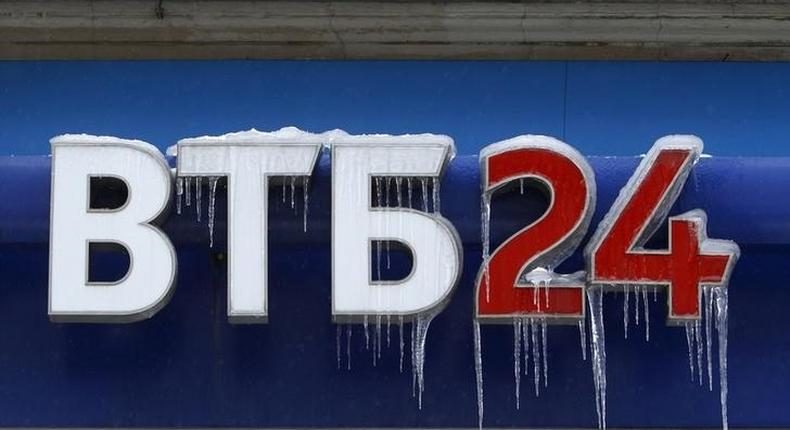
[[215, 29]]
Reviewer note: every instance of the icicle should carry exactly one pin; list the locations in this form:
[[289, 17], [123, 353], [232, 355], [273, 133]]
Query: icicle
[[421, 323], [689, 343], [367, 335], [485, 214], [698, 339], [379, 198], [583, 339], [198, 193], [306, 201], [598, 351], [708, 301], [378, 335], [517, 358], [409, 191], [400, 340], [387, 191], [293, 193], [525, 342], [387, 204], [337, 344], [212, 196], [533, 325], [646, 306], [284, 190], [636, 305], [388, 330], [375, 347], [179, 194], [424, 186], [655, 294], [188, 189], [545, 353], [722, 304], [546, 289], [413, 360], [478, 373], [521, 183], [348, 346], [398, 186], [437, 198], [625, 310]]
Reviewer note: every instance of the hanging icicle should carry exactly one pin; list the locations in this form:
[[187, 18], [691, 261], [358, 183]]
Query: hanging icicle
[[179, 194], [598, 350], [517, 358], [478, 373], [212, 196], [305, 201], [583, 338], [485, 215], [198, 194]]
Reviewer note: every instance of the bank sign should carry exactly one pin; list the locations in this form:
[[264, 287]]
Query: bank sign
[[385, 196], [403, 245]]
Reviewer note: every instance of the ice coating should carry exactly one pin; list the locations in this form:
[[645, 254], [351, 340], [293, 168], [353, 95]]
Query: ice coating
[[368, 155], [286, 135], [529, 340], [699, 342], [540, 271], [283, 136], [90, 139]]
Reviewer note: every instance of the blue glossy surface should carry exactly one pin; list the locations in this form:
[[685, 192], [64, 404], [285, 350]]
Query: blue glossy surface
[[188, 367]]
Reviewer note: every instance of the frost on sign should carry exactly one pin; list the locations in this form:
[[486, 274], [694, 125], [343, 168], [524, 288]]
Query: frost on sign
[[517, 283], [364, 219], [385, 205]]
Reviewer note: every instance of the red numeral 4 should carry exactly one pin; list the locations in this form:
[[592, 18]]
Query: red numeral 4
[[616, 253]]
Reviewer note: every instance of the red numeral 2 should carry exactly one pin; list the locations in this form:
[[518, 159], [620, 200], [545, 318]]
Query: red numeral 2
[[616, 253], [518, 280]]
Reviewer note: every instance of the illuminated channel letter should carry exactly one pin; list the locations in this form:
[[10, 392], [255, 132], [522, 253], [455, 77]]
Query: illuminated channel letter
[[248, 160], [518, 278], [75, 225], [616, 253], [357, 162]]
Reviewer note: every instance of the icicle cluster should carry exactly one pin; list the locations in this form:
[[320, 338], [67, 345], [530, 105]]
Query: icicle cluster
[[417, 193], [640, 294], [400, 192], [699, 340], [525, 329], [380, 331], [184, 189], [530, 344]]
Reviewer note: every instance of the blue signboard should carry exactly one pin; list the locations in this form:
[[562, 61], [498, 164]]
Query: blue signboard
[[187, 366]]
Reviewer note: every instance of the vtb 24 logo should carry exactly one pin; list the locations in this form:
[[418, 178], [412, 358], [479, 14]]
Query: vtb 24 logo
[[516, 283]]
